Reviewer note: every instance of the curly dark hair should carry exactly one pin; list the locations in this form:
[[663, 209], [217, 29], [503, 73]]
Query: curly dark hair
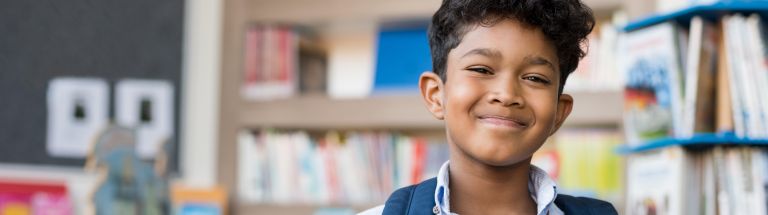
[[566, 23]]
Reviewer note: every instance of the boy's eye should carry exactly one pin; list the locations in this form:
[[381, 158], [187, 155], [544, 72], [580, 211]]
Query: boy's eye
[[481, 70], [536, 79]]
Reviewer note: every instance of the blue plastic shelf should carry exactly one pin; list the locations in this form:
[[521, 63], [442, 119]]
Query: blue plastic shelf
[[705, 139], [710, 12]]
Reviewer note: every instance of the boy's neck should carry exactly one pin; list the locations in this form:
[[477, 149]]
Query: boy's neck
[[478, 188]]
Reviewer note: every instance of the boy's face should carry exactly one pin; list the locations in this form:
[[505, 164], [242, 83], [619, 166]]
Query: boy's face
[[500, 99]]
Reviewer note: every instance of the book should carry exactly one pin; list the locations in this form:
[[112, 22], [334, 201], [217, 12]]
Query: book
[[656, 182], [653, 89], [759, 72], [737, 81], [402, 54], [20, 196], [198, 201], [753, 123], [271, 59], [724, 117], [700, 79]]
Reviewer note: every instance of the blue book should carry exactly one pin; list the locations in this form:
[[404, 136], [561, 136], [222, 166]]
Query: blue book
[[403, 54]]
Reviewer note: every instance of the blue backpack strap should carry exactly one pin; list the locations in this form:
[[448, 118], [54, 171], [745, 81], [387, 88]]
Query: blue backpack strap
[[582, 205], [416, 199]]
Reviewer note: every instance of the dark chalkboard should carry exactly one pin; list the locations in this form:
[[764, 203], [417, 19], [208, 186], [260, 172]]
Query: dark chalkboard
[[109, 39]]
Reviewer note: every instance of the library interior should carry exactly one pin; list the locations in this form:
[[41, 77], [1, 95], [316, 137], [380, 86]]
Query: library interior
[[314, 107]]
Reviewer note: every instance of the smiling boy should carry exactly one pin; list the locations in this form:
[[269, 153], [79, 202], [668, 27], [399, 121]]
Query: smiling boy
[[499, 67]]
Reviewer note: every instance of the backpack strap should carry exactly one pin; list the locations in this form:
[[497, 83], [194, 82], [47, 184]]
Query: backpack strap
[[583, 205], [416, 199]]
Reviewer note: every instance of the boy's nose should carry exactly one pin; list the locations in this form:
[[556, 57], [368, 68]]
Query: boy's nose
[[507, 93]]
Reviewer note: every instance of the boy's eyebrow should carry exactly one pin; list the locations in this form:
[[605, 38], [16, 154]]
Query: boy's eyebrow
[[484, 52], [538, 60]]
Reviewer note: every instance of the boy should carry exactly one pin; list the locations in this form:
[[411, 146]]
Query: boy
[[499, 71]]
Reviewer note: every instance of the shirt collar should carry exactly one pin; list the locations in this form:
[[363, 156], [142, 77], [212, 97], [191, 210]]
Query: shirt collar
[[542, 188]]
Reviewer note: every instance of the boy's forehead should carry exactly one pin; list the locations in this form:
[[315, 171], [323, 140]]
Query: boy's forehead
[[506, 37]]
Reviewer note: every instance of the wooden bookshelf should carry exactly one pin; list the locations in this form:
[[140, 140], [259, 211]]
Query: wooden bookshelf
[[405, 112], [396, 112], [293, 208], [309, 12]]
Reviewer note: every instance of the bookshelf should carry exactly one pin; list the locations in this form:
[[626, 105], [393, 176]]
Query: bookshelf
[[400, 112], [717, 168], [710, 11], [702, 139]]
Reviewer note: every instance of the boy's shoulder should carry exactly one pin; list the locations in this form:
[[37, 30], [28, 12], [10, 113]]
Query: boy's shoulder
[[419, 199]]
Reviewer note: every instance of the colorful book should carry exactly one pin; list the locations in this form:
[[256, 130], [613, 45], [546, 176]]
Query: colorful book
[[653, 89], [198, 201]]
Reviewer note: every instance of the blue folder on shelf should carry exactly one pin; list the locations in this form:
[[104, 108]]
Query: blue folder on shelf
[[708, 11], [402, 55]]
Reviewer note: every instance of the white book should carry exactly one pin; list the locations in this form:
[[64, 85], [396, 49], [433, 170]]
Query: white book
[[249, 174], [754, 28], [320, 165], [350, 172], [734, 58], [306, 175], [656, 182], [281, 167], [709, 181], [759, 177], [606, 59], [738, 189], [724, 198], [365, 168], [747, 73]]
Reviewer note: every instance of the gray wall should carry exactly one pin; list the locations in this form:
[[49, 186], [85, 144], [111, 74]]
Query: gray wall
[[109, 39]]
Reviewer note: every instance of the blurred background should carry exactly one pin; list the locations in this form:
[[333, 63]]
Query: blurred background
[[257, 106]]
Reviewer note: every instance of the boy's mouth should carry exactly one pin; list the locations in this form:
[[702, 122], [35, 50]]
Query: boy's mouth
[[504, 121]]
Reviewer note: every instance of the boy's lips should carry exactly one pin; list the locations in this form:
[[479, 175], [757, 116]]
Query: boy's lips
[[506, 121]]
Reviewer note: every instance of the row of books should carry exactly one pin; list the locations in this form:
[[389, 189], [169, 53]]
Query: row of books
[[281, 61], [19, 197], [365, 167], [710, 77], [332, 168], [28, 197], [597, 70], [271, 58], [717, 180]]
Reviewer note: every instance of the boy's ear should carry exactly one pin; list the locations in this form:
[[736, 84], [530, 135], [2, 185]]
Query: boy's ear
[[564, 107], [431, 87]]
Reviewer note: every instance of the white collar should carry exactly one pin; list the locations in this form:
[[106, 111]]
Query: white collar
[[542, 188]]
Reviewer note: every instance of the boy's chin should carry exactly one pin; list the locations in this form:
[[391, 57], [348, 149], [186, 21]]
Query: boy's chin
[[500, 159]]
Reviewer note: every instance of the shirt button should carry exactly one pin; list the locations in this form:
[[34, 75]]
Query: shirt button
[[436, 210]]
